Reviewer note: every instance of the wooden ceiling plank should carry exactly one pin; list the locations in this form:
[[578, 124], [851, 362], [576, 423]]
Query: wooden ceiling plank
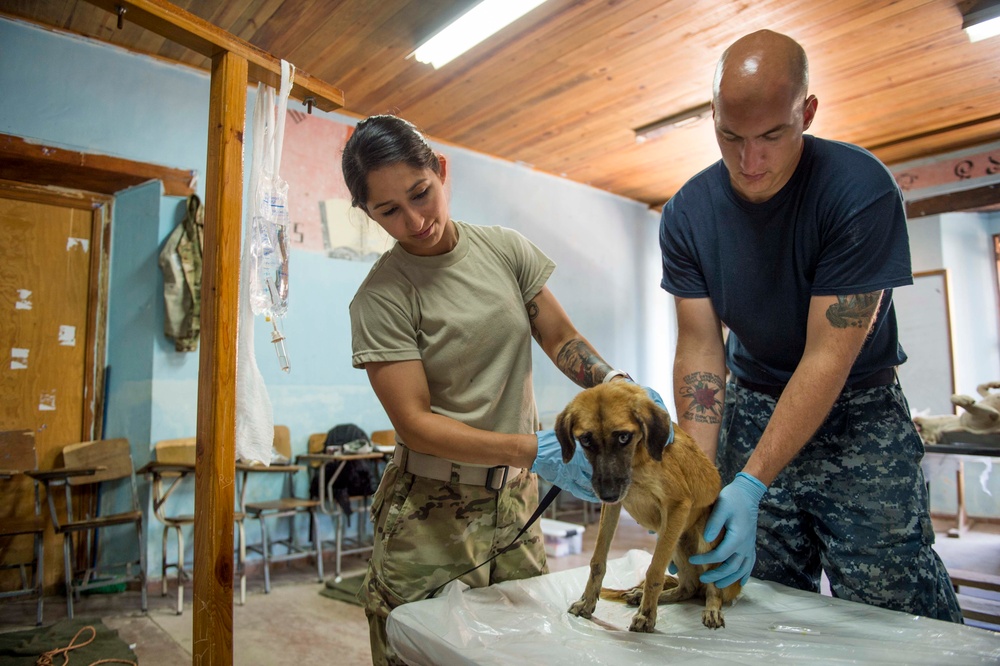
[[209, 40], [354, 58], [587, 49]]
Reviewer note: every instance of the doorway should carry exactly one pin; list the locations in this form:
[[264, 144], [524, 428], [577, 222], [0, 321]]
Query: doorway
[[53, 295]]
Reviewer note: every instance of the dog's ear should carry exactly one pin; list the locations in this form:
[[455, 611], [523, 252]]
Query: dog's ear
[[564, 433], [655, 424]]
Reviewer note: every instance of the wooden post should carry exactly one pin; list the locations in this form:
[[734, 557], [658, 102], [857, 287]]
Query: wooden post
[[215, 469]]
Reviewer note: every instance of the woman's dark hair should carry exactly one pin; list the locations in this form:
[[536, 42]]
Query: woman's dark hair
[[380, 141]]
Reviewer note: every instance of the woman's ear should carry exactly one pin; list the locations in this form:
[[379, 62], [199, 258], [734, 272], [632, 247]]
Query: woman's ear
[[443, 161]]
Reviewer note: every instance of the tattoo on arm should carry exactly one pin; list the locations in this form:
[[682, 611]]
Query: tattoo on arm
[[532, 307], [856, 310], [703, 390], [580, 362]]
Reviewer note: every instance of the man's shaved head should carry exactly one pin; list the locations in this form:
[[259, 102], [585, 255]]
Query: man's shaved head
[[759, 62]]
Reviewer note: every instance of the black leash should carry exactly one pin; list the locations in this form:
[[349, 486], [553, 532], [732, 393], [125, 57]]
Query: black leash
[[542, 506]]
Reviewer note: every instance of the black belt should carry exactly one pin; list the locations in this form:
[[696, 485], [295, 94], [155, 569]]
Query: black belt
[[883, 377]]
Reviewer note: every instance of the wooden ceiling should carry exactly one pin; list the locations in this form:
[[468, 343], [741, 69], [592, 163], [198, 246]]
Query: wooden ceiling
[[563, 88]]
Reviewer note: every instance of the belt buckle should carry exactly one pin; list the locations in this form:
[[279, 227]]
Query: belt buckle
[[491, 474]]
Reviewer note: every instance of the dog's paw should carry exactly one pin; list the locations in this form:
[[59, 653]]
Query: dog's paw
[[713, 619], [633, 597], [642, 623], [582, 608]]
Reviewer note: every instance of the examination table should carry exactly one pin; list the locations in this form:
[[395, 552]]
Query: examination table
[[525, 623]]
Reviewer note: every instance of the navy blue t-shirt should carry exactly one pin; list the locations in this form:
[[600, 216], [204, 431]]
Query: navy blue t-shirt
[[836, 228]]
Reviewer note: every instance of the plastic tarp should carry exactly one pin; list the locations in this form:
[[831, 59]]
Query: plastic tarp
[[526, 622]]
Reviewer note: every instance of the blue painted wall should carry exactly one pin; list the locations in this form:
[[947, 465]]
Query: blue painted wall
[[83, 96]]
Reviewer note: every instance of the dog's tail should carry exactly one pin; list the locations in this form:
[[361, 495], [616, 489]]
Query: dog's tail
[[628, 596]]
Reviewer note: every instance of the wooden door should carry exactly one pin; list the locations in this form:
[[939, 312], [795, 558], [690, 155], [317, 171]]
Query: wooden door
[[52, 294]]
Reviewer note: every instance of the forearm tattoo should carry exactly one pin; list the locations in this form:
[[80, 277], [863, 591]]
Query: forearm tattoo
[[856, 310], [580, 362], [703, 390]]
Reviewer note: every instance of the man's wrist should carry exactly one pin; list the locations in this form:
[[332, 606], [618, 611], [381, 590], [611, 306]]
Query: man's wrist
[[753, 484]]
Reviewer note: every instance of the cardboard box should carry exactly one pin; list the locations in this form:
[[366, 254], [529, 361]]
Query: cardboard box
[[562, 538]]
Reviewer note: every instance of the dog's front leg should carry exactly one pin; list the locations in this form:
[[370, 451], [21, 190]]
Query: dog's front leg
[[666, 543], [599, 562]]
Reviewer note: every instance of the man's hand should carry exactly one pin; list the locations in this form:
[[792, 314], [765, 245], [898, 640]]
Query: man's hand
[[736, 510]]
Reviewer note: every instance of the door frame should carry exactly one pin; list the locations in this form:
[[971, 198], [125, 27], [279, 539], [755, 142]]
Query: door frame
[[100, 206]]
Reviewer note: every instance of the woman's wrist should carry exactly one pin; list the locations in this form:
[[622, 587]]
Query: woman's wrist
[[525, 451], [616, 375]]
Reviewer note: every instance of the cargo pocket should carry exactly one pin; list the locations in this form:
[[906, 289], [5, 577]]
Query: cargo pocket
[[378, 499]]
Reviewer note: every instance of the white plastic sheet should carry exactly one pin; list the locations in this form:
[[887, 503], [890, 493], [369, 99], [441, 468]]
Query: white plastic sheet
[[525, 622]]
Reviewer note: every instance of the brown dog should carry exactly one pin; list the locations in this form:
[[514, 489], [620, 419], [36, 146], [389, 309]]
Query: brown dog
[[668, 490]]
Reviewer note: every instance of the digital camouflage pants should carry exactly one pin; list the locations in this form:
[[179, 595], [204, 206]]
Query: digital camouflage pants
[[853, 503], [427, 532]]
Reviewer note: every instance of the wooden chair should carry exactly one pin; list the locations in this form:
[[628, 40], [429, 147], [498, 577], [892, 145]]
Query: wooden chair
[[359, 504], [384, 437], [288, 506], [175, 461], [105, 468], [18, 456]]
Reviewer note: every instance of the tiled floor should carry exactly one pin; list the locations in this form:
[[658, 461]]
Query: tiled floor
[[294, 624]]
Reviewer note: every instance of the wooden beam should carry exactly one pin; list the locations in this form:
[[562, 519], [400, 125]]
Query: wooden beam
[[209, 40], [976, 198], [216, 464], [37, 164]]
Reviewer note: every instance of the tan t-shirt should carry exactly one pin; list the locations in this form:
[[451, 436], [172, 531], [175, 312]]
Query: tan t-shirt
[[463, 315]]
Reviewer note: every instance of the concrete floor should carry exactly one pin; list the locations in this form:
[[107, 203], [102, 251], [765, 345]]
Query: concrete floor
[[294, 624]]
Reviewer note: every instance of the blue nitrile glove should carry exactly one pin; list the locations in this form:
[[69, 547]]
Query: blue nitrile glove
[[655, 397], [573, 476], [736, 509]]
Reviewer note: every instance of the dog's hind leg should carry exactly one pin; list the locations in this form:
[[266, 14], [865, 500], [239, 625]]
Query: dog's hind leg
[[599, 562]]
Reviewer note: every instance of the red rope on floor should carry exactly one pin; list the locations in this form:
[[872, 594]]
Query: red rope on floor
[[46, 658]]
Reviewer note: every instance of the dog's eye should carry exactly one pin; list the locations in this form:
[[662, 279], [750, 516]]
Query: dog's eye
[[586, 439], [624, 438]]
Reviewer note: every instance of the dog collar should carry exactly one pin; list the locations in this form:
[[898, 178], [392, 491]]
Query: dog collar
[[670, 437]]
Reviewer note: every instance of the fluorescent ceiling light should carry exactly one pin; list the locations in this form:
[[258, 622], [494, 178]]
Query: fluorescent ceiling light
[[686, 118], [472, 27], [982, 20]]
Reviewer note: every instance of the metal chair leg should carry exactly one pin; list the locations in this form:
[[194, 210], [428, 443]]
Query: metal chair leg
[[318, 543], [242, 563], [67, 563], [142, 564], [266, 550], [181, 572], [39, 578], [163, 561]]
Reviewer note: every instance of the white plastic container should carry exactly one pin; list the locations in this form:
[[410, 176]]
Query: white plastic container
[[562, 538]]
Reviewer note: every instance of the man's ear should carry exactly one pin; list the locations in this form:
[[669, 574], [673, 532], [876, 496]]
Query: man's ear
[[809, 113]]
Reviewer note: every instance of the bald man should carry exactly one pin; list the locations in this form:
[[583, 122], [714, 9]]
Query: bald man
[[795, 244]]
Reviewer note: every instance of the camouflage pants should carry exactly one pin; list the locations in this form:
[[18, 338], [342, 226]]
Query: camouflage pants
[[853, 503], [430, 531]]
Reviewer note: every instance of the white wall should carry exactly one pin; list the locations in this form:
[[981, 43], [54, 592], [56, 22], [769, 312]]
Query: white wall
[[962, 243]]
